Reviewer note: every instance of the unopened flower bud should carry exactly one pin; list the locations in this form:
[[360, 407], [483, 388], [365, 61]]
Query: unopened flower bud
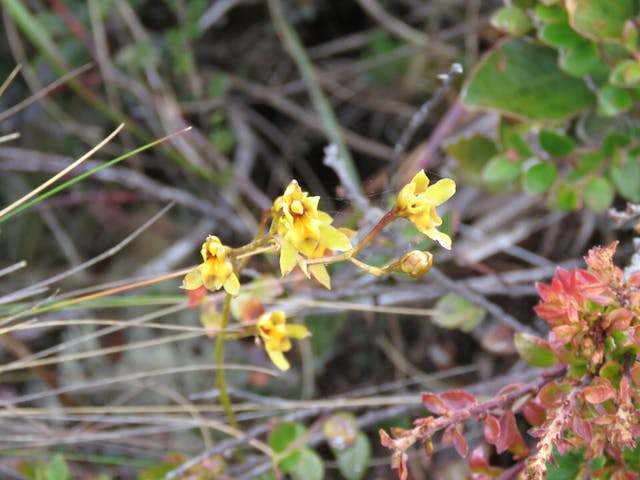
[[416, 263]]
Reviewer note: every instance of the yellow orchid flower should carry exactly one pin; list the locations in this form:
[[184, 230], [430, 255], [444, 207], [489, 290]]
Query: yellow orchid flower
[[276, 334], [215, 272], [417, 201], [302, 227]]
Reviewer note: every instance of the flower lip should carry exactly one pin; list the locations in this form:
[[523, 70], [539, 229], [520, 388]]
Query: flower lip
[[417, 201]]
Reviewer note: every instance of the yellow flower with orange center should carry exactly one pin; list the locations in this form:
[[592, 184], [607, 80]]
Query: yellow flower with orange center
[[302, 228], [216, 271], [276, 334], [417, 201]]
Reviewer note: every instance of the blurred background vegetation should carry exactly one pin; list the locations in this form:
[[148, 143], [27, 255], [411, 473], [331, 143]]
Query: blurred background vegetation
[[123, 386]]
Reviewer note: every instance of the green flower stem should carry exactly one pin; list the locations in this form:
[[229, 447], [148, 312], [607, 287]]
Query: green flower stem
[[377, 271], [225, 400]]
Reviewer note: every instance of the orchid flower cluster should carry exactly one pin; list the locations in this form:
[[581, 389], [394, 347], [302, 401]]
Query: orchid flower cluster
[[304, 236], [586, 403]]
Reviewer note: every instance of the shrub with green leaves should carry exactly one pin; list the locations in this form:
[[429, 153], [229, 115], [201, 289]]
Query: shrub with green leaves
[[564, 80]]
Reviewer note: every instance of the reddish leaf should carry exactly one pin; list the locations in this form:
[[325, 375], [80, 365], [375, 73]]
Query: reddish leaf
[[534, 412], [635, 375], [582, 428], [432, 403], [385, 439], [617, 320], [491, 429], [403, 471], [458, 400], [499, 340], [478, 462], [508, 431], [598, 393], [553, 393], [453, 436]]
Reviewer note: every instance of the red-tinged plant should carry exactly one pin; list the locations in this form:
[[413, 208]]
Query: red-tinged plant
[[586, 406]]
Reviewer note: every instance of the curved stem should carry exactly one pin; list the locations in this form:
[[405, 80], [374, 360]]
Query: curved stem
[[225, 400]]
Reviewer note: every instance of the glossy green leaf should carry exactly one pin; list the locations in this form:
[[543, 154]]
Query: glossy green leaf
[[539, 177], [567, 197], [625, 74], [598, 194], [626, 179], [566, 466], [551, 13], [555, 144], [614, 100], [354, 460], [589, 161], [500, 170], [534, 350], [580, 59], [283, 434], [457, 313], [511, 20], [559, 35], [512, 142], [308, 467], [523, 79], [600, 19]]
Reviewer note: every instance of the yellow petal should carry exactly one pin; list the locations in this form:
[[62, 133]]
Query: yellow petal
[[297, 331], [288, 255], [441, 191], [278, 359], [192, 280], [333, 238], [442, 238], [421, 181], [320, 273], [232, 285]]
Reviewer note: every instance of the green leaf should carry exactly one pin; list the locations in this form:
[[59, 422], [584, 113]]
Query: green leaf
[[598, 194], [340, 430], [283, 434], [539, 177], [625, 74], [559, 35], [565, 467], [556, 144], [522, 78], [57, 469], [511, 20], [580, 59], [308, 467], [457, 313], [567, 197], [632, 458], [601, 19], [354, 460], [551, 13], [534, 350], [589, 161], [471, 154], [613, 100], [512, 142], [500, 170], [626, 179]]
